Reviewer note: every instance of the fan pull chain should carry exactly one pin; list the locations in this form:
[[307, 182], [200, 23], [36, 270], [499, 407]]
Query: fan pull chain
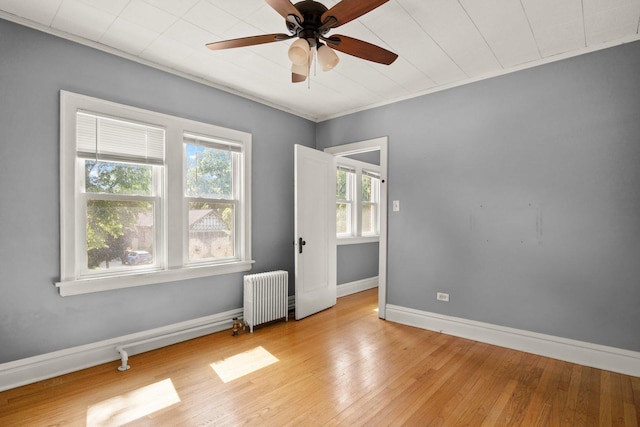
[[313, 56]]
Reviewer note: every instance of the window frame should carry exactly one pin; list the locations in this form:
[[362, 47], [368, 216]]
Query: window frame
[[356, 236], [235, 200], [170, 260]]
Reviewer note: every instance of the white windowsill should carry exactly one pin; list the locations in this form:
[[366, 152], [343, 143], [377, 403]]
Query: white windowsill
[[356, 240], [99, 284]]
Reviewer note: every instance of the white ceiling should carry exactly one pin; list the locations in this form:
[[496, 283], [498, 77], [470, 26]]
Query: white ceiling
[[440, 43]]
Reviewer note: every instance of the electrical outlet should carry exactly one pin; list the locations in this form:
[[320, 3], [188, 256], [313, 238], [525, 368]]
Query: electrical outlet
[[441, 296]]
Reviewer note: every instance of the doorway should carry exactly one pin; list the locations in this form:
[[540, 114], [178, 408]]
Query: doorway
[[381, 145]]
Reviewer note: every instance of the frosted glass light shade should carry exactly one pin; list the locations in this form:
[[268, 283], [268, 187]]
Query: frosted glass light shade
[[299, 52], [327, 58], [302, 69]]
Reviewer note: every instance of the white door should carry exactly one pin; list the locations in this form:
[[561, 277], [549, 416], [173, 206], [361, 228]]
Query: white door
[[315, 231]]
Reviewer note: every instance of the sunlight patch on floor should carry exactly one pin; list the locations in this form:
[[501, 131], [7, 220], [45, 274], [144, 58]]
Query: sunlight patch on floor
[[133, 405], [242, 364]]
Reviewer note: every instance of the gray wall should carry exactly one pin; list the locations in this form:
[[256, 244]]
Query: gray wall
[[34, 67], [357, 262], [368, 157], [520, 197]]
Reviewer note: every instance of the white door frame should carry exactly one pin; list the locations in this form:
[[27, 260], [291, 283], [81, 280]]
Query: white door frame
[[377, 144]]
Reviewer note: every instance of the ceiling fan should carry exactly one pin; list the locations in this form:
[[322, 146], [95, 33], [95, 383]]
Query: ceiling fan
[[310, 21]]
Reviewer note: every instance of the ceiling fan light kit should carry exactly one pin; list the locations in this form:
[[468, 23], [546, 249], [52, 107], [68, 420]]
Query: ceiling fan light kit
[[300, 69], [327, 58], [310, 21], [299, 52]]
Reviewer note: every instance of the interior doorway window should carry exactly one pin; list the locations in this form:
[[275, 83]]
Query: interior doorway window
[[370, 218], [345, 200], [357, 200]]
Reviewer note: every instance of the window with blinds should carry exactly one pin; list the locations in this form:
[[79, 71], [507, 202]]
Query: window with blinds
[[138, 207], [121, 195]]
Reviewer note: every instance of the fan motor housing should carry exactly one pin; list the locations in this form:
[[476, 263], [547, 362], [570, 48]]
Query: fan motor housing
[[311, 12]]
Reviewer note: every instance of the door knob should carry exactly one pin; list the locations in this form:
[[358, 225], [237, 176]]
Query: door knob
[[301, 243]]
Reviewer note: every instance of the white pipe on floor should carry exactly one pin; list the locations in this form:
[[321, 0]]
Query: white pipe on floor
[[124, 356]]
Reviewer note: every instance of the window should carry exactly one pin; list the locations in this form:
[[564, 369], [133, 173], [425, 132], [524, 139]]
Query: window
[[345, 201], [119, 194], [357, 201], [212, 198], [149, 198], [370, 203]]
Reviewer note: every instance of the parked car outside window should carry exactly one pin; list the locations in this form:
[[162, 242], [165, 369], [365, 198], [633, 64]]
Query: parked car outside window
[[138, 257]]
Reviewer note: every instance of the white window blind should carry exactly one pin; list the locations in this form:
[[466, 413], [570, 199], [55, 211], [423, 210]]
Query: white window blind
[[370, 174], [346, 169], [106, 138]]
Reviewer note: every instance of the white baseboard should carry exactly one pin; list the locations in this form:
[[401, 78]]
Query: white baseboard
[[37, 368], [345, 289], [583, 353], [357, 286]]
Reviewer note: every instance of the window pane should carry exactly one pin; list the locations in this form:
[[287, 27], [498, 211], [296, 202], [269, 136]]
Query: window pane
[[119, 234], [343, 218], [370, 204], [342, 185], [370, 188], [366, 189], [368, 219], [211, 230], [209, 172], [118, 178]]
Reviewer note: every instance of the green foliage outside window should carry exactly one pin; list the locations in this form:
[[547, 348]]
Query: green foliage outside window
[[108, 220], [341, 185]]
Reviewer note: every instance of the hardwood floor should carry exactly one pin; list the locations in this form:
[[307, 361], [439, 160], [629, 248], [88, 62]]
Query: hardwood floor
[[341, 367]]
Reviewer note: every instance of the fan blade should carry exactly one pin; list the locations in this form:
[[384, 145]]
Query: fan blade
[[361, 49], [297, 78], [285, 8], [348, 10], [248, 41]]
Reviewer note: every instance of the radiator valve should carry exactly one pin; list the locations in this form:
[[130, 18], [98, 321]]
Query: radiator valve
[[236, 326]]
